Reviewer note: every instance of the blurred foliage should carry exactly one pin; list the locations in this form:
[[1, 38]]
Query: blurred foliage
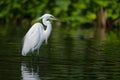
[[113, 37], [69, 11]]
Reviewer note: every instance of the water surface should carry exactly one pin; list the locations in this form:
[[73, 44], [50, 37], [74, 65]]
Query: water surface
[[65, 57]]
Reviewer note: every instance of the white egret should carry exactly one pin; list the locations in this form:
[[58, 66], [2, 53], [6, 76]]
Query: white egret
[[36, 34]]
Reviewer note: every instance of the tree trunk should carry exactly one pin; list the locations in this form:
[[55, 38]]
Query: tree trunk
[[101, 25]]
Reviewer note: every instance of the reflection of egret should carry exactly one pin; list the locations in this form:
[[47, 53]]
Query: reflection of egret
[[36, 35], [28, 73]]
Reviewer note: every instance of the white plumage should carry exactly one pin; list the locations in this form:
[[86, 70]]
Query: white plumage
[[36, 34]]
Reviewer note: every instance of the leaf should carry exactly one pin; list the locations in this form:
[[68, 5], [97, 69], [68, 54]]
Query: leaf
[[91, 15], [63, 4], [103, 3]]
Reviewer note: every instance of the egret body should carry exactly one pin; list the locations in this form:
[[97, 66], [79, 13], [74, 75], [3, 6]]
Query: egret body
[[37, 34]]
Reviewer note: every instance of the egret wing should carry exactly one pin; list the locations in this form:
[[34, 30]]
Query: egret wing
[[33, 38]]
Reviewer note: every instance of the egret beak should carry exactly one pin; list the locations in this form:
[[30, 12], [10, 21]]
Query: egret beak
[[53, 18], [58, 20]]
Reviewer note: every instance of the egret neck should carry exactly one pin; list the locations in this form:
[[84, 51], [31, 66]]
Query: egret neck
[[48, 29]]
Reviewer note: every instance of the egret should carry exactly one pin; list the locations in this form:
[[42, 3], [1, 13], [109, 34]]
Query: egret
[[37, 34]]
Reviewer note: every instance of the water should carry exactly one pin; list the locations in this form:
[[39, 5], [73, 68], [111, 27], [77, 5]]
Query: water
[[66, 57]]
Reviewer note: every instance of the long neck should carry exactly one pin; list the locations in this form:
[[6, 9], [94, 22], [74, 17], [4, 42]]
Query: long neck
[[48, 29]]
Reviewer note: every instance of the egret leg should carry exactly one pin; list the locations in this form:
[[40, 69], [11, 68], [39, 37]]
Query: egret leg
[[38, 55], [38, 68], [32, 56]]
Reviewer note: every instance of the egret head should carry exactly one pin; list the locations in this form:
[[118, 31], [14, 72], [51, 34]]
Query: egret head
[[47, 17]]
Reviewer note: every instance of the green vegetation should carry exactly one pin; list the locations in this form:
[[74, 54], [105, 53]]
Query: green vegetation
[[101, 15], [76, 12]]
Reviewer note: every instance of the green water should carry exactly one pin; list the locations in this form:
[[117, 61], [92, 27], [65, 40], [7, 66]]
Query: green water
[[65, 57]]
